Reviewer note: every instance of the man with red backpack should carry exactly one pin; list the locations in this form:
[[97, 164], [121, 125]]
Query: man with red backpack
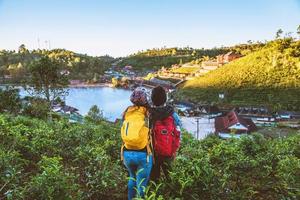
[[165, 124]]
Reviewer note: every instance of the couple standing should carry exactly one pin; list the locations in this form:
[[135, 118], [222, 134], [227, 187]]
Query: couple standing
[[151, 137]]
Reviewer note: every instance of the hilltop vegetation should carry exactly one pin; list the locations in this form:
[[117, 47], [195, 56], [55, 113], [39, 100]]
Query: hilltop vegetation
[[269, 76], [156, 58], [59, 160], [80, 66], [185, 70]]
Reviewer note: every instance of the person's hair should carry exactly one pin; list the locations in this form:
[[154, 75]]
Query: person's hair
[[158, 96]]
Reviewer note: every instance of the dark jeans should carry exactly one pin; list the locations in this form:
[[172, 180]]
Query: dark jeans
[[161, 163]]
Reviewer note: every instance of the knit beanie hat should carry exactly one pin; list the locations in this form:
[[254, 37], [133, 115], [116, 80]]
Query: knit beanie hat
[[158, 96], [139, 97]]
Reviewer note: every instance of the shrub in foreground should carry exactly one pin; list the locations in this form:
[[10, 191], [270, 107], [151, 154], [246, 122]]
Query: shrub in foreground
[[59, 160]]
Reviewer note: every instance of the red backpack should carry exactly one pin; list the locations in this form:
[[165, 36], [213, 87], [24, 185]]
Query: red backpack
[[166, 139]]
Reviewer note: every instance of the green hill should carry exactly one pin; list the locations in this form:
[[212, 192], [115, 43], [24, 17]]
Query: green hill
[[80, 66], [153, 59], [269, 76]]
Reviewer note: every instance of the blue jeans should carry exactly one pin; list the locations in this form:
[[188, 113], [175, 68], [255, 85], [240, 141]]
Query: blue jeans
[[139, 171]]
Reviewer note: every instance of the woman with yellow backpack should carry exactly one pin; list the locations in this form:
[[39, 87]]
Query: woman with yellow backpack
[[136, 152]]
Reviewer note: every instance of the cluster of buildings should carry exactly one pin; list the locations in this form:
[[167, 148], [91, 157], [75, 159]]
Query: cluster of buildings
[[240, 120], [153, 82], [171, 73], [213, 64], [119, 72], [67, 111], [204, 67]]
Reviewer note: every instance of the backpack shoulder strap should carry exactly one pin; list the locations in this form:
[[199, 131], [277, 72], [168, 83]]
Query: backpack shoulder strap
[[124, 113]]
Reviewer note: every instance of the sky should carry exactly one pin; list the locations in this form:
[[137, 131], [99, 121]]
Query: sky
[[122, 27]]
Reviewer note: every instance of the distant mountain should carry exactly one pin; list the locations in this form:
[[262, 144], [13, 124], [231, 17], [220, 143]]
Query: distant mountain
[[269, 76]]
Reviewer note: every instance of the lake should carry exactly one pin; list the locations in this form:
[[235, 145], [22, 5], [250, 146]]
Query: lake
[[112, 101]]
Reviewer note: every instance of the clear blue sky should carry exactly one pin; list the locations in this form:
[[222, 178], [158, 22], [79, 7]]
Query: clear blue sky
[[122, 27]]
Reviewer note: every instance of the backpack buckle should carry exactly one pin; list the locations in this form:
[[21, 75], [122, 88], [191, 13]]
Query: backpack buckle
[[164, 131]]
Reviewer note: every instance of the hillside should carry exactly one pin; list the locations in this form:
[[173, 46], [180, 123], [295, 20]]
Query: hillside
[[269, 76], [80, 66], [156, 58], [59, 160]]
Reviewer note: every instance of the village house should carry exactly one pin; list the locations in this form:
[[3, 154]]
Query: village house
[[7, 76], [75, 82], [286, 115], [221, 60], [260, 116], [228, 57], [128, 67], [233, 123], [209, 110], [163, 83], [153, 82], [210, 65]]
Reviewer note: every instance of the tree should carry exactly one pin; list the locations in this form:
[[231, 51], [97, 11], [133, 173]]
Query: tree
[[3, 70], [10, 100], [115, 82], [298, 31], [278, 33], [47, 79], [22, 49], [94, 114], [180, 62]]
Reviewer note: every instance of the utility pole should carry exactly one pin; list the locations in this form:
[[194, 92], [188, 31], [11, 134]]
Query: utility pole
[[38, 40], [46, 46], [197, 120]]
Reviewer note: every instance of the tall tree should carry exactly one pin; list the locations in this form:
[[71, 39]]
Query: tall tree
[[22, 49], [279, 33], [47, 79]]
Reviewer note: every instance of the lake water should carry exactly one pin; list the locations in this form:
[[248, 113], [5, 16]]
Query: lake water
[[112, 101]]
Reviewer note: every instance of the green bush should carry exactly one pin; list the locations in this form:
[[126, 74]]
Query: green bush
[[246, 168], [60, 160], [10, 100], [38, 108], [51, 182]]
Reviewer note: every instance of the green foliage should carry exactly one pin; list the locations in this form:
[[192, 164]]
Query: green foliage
[[47, 79], [51, 182], [10, 100], [269, 76], [156, 58], [80, 66], [95, 114], [36, 107], [186, 70], [59, 160], [249, 168]]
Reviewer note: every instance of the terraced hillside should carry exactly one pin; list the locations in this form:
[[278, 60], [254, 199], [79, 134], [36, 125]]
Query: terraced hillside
[[269, 76]]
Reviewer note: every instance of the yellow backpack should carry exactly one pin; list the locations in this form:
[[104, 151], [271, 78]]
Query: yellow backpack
[[134, 131]]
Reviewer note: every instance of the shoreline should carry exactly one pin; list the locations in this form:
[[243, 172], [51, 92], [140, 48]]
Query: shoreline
[[90, 85]]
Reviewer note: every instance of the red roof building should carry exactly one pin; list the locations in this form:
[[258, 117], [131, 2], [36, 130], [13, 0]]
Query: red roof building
[[234, 123], [228, 57]]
